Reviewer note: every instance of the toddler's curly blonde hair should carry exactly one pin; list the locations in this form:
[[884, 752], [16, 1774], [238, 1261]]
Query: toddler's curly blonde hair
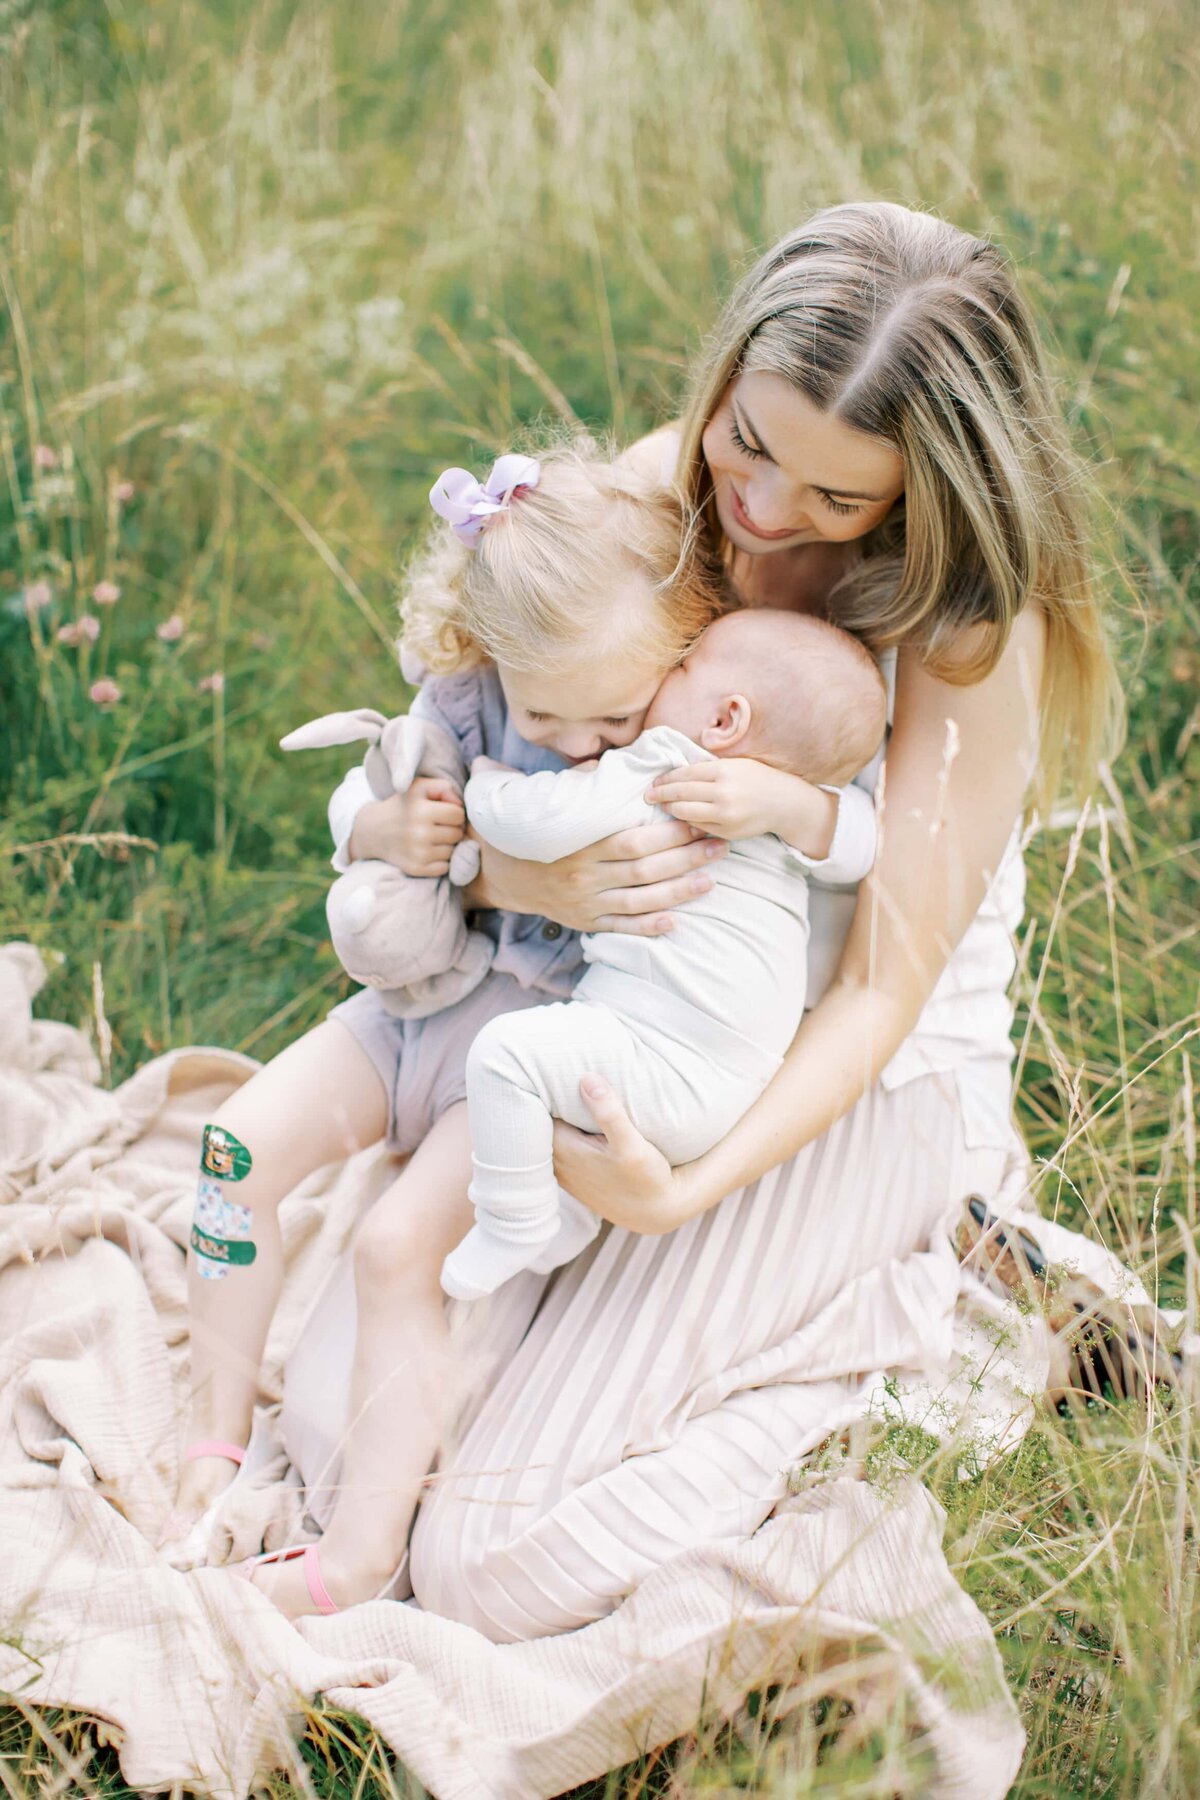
[[559, 577]]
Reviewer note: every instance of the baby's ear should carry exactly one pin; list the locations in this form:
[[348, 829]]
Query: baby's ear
[[729, 728]]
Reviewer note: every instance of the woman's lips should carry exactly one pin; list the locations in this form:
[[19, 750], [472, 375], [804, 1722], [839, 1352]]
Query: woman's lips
[[743, 519]]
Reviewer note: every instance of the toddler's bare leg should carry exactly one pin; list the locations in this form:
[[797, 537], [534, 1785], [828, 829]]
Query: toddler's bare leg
[[402, 1384], [319, 1100]]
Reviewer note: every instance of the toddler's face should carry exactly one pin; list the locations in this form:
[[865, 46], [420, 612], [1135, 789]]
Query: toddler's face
[[580, 715]]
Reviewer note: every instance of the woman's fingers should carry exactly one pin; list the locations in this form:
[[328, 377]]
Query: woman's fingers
[[635, 925], [663, 865], [601, 1100], [625, 907], [641, 841]]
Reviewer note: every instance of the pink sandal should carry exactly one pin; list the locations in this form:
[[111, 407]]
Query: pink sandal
[[234, 1453], [310, 1563]]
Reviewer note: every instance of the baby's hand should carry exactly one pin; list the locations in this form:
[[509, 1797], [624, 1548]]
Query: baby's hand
[[733, 797], [416, 831]]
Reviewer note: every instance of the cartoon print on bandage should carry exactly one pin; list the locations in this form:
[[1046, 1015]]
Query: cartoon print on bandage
[[220, 1232], [224, 1156]]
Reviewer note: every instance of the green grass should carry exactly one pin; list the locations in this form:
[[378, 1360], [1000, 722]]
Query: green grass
[[274, 265]]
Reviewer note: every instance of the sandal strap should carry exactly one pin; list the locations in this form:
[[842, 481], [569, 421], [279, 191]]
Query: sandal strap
[[233, 1453], [321, 1597]]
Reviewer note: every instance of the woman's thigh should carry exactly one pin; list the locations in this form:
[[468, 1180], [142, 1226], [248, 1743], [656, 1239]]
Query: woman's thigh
[[794, 1288]]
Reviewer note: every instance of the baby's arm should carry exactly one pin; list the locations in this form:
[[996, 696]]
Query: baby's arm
[[541, 818], [830, 830], [851, 854]]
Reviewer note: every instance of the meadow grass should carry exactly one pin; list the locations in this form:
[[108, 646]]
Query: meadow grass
[[265, 268]]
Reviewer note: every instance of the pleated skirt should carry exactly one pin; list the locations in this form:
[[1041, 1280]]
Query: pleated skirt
[[660, 1392]]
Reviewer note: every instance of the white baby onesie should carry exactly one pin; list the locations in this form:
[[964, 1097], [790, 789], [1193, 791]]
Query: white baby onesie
[[688, 1027]]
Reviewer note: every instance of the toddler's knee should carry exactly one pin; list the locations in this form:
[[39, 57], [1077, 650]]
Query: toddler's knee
[[394, 1247]]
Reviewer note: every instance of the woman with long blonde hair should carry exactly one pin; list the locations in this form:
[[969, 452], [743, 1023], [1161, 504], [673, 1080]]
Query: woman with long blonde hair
[[872, 436]]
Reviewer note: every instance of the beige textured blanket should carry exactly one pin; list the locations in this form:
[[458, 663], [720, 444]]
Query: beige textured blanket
[[205, 1683]]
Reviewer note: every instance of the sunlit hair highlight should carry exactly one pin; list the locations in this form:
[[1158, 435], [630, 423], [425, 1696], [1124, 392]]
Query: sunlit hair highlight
[[917, 334], [559, 576]]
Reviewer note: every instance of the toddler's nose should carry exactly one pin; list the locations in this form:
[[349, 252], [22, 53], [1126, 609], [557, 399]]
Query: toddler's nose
[[579, 746]]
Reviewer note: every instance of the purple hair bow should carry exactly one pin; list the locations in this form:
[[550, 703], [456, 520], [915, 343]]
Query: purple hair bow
[[467, 505]]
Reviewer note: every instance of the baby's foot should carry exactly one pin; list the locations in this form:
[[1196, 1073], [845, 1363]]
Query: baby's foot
[[577, 1226], [484, 1262]]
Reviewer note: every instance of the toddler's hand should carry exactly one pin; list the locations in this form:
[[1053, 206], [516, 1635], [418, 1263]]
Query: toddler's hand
[[415, 831], [730, 797]]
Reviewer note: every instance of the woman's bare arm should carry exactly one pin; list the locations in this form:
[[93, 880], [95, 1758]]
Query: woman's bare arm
[[958, 766]]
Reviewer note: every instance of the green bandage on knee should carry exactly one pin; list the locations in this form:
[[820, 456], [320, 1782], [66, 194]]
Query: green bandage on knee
[[223, 1156], [221, 1226]]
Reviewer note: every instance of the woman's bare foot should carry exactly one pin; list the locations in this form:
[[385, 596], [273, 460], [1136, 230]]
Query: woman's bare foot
[[348, 1580]]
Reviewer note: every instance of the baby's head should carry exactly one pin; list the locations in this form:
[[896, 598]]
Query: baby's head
[[584, 589], [782, 687]]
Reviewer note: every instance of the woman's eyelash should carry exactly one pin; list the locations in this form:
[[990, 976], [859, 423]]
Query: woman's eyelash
[[740, 442], [838, 506]]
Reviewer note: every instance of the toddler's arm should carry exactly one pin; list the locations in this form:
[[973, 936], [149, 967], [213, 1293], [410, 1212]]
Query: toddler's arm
[[415, 831], [541, 818]]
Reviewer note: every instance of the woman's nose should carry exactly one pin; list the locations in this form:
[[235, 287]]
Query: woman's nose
[[769, 509]]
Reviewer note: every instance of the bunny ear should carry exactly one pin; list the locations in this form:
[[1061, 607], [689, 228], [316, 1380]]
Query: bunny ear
[[336, 728]]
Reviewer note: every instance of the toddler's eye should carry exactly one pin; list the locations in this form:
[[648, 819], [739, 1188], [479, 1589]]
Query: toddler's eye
[[623, 721], [536, 718]]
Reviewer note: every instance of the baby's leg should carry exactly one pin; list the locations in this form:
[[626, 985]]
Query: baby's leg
[[319, 1100], [402, 1384], [523, 1072]]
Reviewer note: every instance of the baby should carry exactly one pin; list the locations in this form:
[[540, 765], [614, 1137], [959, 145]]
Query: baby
[[688, 1027]]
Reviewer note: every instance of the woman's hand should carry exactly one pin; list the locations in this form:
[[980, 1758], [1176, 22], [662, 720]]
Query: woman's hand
[[627, 882], [619, 1174], [415, 831], [736, 797]]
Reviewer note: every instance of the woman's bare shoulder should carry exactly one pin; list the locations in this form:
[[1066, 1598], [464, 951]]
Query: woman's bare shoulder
[[653, 457]]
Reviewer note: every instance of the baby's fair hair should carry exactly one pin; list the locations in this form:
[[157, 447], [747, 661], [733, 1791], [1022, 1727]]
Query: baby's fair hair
[[818, 702], [558, 577]]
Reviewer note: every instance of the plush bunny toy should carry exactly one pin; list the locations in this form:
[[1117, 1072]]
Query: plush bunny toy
[[403, 935]]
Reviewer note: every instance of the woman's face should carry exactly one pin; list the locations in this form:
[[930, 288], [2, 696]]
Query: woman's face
[[786, 473]]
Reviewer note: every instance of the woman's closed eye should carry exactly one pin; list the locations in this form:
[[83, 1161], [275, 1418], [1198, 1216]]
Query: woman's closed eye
[[837, 506], [756, 454], [750, 450]]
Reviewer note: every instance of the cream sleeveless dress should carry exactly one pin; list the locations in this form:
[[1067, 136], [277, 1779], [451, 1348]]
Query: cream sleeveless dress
[[655, 1394]]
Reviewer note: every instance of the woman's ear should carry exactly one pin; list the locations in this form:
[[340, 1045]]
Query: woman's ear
[[730, 726]]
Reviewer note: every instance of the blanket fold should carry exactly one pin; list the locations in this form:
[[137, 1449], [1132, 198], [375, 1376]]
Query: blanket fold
[[203, 1684]]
